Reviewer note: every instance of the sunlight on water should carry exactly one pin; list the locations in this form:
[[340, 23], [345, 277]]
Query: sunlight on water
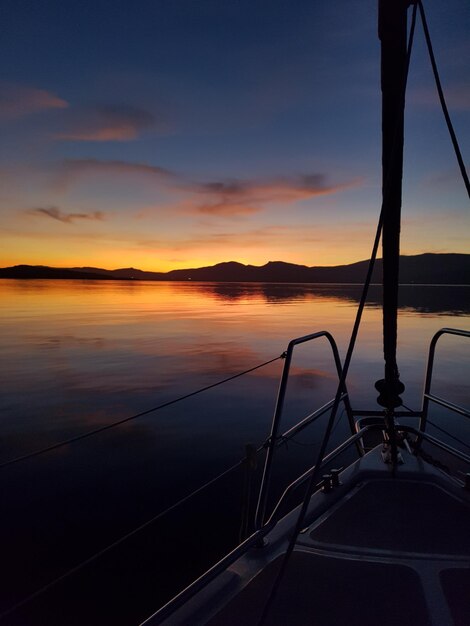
[[81, 354]]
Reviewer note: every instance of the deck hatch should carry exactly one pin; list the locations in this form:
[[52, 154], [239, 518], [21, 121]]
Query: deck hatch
[[326, 591], [456, 585], [399, 515]]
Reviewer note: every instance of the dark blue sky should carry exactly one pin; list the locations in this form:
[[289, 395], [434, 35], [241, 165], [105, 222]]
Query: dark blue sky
[[167, 134]]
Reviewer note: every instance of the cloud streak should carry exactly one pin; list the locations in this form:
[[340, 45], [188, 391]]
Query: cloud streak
[[224, 198], [243, 197], [220, 197], [457, 97], [106, 123], [71, 171], [248, 238], [81, 167], [67, 218], [21, 100]]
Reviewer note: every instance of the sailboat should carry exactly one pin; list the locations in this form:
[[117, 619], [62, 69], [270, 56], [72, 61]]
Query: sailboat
[[385, 539]]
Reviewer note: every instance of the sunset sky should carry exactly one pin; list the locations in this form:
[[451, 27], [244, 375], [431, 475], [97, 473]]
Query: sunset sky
[[162, 134]]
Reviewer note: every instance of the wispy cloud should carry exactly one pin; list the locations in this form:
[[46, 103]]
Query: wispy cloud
[[70, 171], [444, 177], [67, 218], [241, 197], [224, 198], [247, 238], [457, 97], [18, 100], [91, 166], [225, 208], [106, 123]]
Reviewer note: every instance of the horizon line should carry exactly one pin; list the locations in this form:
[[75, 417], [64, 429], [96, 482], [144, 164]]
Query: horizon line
[[222, 263]]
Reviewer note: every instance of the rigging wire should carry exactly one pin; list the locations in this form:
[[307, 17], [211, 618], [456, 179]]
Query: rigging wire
[[135, 531], [101, 429], [443, 431], [313, 477], [116, 543], [146, 524], [309, 444], [437, 79]]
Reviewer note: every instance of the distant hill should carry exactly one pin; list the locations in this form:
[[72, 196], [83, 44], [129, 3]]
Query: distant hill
[[446, 269], [43, 271], [451, 269], [127, 273]]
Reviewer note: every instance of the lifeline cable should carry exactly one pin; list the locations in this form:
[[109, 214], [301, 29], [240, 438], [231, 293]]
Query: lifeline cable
[[116, 543], [146, 524], [101, 429], [310, 444], [445, 432]]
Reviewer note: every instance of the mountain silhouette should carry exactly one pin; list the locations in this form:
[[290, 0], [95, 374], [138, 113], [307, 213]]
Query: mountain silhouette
[[445, 269]]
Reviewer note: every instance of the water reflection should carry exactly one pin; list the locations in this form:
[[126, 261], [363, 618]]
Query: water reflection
[[454, 300], [77, 349], [76, 355]]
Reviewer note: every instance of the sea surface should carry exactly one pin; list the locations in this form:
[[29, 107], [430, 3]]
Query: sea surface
[[79, 355]]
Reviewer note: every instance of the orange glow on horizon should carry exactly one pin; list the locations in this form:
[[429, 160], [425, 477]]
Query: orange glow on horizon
[[144, 263], [105, 255], [327, 247]]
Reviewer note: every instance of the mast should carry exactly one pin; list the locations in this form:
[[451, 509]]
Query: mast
[[393, 38]]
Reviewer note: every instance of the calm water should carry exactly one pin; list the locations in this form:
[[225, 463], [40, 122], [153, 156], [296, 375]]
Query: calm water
[[78, 355]]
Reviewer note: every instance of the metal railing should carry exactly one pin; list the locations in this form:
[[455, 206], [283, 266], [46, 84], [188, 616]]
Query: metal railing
[[275, 425], [427, 395], [275, 439], [260, 533], [255, 539], [262, 527]]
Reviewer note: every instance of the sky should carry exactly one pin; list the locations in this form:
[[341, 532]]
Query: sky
[[164, 134]]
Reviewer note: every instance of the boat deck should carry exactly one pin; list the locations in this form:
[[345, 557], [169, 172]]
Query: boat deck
[[404, 561], [329, 592], [381, 548]]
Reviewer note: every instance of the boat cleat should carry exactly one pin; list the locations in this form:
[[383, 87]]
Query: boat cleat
[[387, 455]]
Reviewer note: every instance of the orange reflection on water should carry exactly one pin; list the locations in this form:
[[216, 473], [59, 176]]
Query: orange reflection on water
[[125, 335]]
